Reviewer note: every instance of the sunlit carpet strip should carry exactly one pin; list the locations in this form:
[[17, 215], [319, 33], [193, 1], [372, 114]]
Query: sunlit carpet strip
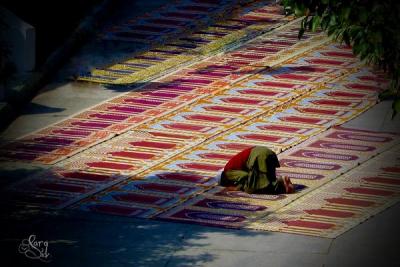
[[156, 99], [214, 115], [176, 157], [169, 56], [175, 19], [198, 123], [202, 164]]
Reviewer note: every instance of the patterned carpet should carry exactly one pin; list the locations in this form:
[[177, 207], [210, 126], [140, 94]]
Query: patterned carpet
[[162, 52], [342, 203], [155, 152]]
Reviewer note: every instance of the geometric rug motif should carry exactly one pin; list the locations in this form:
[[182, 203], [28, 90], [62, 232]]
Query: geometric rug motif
[[134, 151], [156, 153], [120, 114], [290, 112], [186, 133], [192, 121], [154, 33], [342, 203], [310, 165]]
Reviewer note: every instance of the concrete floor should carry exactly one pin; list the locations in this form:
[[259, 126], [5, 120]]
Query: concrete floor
[[54, 103], [86, 239]]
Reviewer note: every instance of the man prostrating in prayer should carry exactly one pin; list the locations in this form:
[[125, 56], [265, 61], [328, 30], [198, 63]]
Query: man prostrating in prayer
[[254, 171]]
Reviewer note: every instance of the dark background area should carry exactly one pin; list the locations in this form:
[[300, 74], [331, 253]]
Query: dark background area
[[54, 21]]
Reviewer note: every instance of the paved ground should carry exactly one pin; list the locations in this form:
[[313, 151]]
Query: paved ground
[[87, 239], [83, 239]]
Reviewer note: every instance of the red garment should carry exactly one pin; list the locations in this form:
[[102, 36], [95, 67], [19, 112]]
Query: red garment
[[238, 162]]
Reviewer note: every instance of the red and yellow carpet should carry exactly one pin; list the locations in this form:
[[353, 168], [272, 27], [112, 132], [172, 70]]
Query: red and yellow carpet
[[155, 152]]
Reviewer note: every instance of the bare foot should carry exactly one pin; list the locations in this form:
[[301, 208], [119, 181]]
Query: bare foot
[[231, 188], [289, 187]]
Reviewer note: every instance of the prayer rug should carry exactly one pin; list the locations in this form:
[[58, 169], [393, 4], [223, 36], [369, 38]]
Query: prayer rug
[[120, 114], [160, 149], [255, 20], [218, 125], [206, 159], [79, 132], [214, 115], [342, 203], [310, 165], [172, 19]]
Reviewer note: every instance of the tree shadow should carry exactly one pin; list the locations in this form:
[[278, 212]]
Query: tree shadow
[[34, 108], [115, 43], [84, 238], [211, 71], [126, 39]]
